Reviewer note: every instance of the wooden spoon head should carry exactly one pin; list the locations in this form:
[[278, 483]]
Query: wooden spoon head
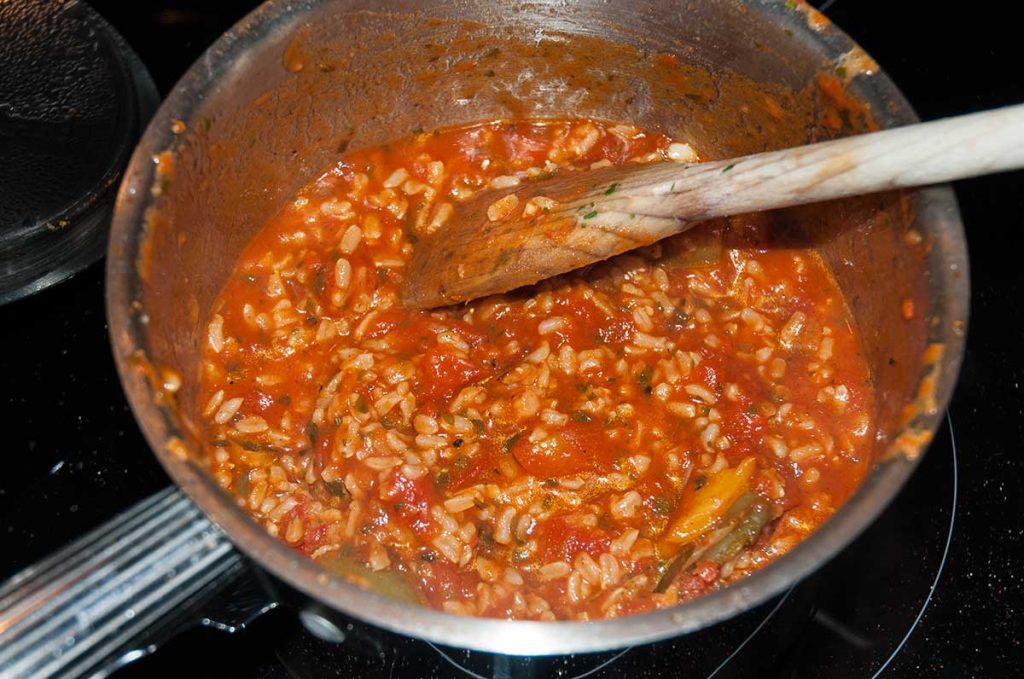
[[504, 239]]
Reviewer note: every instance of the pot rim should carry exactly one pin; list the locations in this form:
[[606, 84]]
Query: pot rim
[[937, 207]]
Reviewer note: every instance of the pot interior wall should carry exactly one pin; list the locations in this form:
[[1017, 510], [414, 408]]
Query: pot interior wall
[[715, 73]]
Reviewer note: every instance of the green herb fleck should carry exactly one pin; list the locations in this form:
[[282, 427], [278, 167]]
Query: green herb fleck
[[841, 71], [478, 425], [448, 418], [361, 405], [661, 506], [503, 257], [428, 556], [312, 431], [679, 319], [510, 441], [643, 379], [611, 189], [581, 416], [337, 488], [590, 215], [442, 479], [728, 167]]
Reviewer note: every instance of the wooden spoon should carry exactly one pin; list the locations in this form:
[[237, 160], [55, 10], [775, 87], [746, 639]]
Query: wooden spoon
[[492, 243]]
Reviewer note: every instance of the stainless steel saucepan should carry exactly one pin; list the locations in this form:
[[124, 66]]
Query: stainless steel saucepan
[[278, 97]]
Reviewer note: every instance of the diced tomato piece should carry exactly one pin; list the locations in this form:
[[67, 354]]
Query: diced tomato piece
[[481, 468], [411, 501], [591, 326], [413, 332], [576, 447], [443, 374], [441, 581], [387, 321], [560, 540]]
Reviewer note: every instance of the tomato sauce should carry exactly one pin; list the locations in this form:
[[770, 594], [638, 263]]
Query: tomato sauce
[[611, 441]]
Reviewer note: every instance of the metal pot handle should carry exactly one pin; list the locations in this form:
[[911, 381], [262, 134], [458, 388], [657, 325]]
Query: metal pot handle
[[95, 604]]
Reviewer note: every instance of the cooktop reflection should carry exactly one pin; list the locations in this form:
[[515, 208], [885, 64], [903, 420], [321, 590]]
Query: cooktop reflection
[[850, 619]]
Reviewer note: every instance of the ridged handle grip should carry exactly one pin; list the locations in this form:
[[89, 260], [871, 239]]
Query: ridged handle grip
[[80, 610]]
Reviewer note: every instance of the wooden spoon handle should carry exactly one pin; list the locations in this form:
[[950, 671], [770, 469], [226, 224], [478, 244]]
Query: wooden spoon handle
[[916, 155], [592, 215]]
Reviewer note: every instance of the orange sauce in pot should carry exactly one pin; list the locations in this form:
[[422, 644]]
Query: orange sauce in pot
[[607, 442]]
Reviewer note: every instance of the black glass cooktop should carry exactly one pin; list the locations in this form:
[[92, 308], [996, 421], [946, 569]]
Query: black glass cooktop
[[934, 588]]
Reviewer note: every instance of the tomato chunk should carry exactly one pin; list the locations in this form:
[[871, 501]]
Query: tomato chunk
[[577, 447], [411, 501], [443, 374], [561, 540]]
